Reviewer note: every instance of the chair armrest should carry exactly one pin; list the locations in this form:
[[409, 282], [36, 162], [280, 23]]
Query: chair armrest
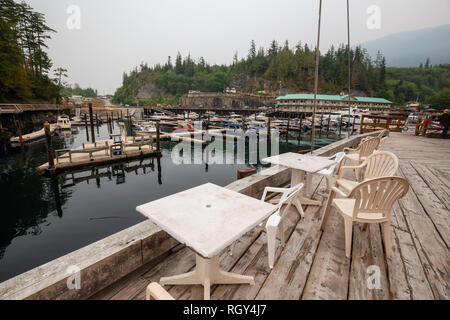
[[156, 292], [272, 189], [350, 149], [342, 169], [339, 192]]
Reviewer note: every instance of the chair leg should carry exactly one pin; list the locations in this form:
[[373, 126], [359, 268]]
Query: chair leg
[[271, 232], [328, 181], [348, 236], [387, 238], [327, 209]]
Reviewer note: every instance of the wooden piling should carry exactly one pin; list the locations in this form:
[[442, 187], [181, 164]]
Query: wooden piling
[[19, 131], [287, 131], [86, 126], [300, 130], [353, 126], [48, 142], [158, 136], [328, 125], [91, 119], [340, 125], [268, 126]]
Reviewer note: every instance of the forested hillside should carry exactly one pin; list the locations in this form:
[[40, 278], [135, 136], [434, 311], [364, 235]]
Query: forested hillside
[[24, 63], [282, 69]]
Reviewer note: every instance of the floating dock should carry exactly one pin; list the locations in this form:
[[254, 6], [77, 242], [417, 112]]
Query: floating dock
[[101, 152]]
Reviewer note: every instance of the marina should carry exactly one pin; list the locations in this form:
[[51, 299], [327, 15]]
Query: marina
[[311, 265], [301, 168]]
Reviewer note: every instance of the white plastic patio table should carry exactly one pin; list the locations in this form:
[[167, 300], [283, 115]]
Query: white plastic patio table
[[207, 219], [300, 165]]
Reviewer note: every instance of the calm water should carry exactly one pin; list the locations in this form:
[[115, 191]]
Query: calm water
[[44, 218]]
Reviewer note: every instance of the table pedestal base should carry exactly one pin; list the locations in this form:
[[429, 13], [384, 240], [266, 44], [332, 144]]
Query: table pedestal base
[[207, 272], [298, 176]]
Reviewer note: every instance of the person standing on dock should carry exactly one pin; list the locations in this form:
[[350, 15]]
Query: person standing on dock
[[444, 120]]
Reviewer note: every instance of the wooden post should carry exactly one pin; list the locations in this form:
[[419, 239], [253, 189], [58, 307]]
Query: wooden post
[[158, 136], [300, 129], [91, 119], [48, 142], [321, 125], [86, 126], [287, 131], [353, 126], [268, 126], [361, 127]]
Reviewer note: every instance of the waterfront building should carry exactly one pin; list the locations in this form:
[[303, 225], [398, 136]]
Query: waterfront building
[[329, 103]]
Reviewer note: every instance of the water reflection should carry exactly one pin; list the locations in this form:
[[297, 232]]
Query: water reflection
[[43, 218]]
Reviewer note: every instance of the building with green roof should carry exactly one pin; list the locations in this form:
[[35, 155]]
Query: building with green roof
[[303, 102]]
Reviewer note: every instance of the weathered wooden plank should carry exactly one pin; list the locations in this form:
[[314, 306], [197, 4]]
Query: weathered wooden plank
[[432, 250], [434, 208], [176, 263], [255, 263], [440, 189], [328, 278], [289, 275], [406, 275], [367, 251]]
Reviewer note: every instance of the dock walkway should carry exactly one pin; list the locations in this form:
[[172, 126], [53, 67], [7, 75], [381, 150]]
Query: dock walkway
[[312, 264]]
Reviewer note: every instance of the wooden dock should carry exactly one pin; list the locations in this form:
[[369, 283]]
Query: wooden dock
[[100, 153], [312, 264]]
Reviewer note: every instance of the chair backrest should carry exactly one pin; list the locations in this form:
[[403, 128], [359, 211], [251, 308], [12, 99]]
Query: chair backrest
[[337, 159], [380, 164], [368, 146], [287, 197], [378, 195]]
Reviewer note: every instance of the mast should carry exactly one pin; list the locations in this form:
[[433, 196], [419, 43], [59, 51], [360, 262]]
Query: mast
[[316, 80], [349, 67]]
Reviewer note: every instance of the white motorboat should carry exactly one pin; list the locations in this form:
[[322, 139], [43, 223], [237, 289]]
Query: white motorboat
[[64, 123]]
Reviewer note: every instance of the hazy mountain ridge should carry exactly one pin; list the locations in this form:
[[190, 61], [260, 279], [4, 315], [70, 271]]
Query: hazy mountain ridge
[[409, 49]]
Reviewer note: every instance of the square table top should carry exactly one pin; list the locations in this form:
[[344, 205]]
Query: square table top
[[302, 162], [207, 218]]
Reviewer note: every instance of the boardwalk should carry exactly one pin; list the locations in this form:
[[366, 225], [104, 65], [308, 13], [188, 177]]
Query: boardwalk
[[312, 265]]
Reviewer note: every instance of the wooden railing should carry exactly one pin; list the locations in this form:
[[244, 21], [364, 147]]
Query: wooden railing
[[427, 125], [375, 123]]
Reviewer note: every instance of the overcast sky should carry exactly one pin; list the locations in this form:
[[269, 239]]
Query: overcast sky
[[117, 35]]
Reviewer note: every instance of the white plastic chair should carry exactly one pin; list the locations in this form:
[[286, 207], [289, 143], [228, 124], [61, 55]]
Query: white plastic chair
[[377, 165], [329, 172], [289, 197], [366, 147], [371, 201]]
